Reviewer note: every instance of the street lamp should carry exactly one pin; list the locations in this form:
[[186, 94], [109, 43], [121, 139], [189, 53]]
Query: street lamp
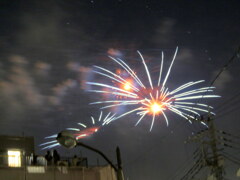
[[66, 139]]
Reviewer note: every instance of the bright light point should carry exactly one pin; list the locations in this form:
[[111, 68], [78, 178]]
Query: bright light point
[[156, 108], [127, 86]]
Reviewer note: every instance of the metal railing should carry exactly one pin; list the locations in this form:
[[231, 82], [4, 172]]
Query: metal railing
[[22, 161]]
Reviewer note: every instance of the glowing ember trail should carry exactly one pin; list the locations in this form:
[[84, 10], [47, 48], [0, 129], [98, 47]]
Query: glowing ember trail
[[149, 99], [82, 132], [86, 132]]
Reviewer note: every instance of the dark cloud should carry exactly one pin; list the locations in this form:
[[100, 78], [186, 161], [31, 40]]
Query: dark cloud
[[42, 68], [222, 82], [164, 33], [26, 90]]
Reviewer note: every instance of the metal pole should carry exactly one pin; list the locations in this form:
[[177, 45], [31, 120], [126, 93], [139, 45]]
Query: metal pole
[[99, 152], [217, 170], [120, 175]]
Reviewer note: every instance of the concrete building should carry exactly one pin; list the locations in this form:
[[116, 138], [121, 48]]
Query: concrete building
[[16, 164], [14, 148]]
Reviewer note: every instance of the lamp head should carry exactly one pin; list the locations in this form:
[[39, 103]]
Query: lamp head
[[66, 139]]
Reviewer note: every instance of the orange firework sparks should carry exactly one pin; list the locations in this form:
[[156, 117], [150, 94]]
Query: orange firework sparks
[[86, 132], [127, 86], [156, 108], [151, 99]]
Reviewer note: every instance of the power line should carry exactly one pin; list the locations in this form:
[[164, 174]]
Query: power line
[[213, 143], [235, 55], [184, 166], [228, 101]]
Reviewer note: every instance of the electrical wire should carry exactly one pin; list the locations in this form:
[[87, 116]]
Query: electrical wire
[[231, 156], [235, 55], [225, 103], [185, 164], [231, 160], [197, 165]]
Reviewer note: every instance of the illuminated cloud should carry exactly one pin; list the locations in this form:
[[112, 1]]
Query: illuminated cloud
[[19, 94], [18, 60], [114, 52], [61, 90], [42, 68], [73, 66], [84, 73], [20, 85]]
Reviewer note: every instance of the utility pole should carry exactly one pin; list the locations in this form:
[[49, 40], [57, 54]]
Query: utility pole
[[217, 170], [210, 155], [210, 139]]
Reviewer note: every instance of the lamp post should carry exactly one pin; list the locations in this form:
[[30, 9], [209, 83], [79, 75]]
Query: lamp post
[[66, 139]]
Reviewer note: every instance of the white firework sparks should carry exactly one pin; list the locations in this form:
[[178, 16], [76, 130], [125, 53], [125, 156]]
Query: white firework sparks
[[151, 100], [83, 130]]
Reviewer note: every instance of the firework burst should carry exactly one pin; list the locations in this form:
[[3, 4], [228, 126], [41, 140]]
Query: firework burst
[[82, 131], [151, 100]]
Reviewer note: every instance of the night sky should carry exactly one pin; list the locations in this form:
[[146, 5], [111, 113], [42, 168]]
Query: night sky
[[48, 48]]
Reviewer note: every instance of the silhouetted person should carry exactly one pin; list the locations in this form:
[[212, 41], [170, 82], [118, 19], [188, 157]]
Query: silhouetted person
[[75, 160], [34, 159], [56, 156], [48, 157]]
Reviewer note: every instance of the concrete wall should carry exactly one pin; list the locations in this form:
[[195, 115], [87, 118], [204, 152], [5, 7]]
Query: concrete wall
[[57, 173]]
